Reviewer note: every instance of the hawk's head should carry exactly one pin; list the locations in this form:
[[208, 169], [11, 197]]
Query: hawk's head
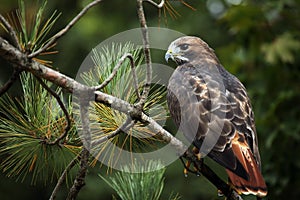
[[188, 49]]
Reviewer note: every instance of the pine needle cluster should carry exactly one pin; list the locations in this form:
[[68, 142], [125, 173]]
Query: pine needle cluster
[[27, 125], [147, 181], [105, 120]]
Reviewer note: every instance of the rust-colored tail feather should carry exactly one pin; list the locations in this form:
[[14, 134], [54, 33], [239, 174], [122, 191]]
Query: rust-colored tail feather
[[255, 184]]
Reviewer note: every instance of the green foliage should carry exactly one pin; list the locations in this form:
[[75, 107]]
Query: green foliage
[[27, 124], [283, 49], [146, 183], [243, 19]]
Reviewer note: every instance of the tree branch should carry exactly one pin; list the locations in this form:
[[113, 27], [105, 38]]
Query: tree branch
[[146, 47], [11, 31], [14, 56], [64, 30], [16, 73], [79, 180], [63, 177], [229, 192]]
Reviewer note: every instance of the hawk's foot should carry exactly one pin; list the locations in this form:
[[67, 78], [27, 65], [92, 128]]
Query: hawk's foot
[[196, 167]]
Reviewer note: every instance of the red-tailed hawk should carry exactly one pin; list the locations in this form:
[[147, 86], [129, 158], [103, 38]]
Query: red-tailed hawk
[[212, 109]]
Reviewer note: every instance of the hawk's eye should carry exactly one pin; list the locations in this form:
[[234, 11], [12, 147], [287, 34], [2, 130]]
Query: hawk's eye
[[183, 46]]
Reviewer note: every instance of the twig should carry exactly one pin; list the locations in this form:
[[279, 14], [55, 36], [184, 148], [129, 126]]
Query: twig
[[114, 72], [64, 30], [63, 108], [146, 47], [160, 5], [63, 177], [14, 56], [79, 181], [124, 127], [11, 31], [11, 81]]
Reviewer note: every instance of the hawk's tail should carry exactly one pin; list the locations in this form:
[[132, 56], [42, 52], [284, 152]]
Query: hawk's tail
[[255, 184]]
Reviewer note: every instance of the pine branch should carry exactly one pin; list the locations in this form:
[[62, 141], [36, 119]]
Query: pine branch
[[79, 182]]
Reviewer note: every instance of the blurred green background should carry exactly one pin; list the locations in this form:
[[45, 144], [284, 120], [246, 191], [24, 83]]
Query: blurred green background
[[258, 41]]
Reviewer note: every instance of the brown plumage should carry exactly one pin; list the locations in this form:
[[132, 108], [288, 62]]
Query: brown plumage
[[211, 107]]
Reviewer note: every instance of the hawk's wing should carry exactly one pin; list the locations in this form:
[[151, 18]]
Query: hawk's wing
[[213, 111]]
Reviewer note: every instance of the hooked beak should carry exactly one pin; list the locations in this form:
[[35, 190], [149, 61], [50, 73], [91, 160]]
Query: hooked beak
[[169, 55], [175, 57]]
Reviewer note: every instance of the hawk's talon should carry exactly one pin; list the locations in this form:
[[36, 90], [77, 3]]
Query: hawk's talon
[[186, 168], [197, 153], [196, 169], [220, 193]]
